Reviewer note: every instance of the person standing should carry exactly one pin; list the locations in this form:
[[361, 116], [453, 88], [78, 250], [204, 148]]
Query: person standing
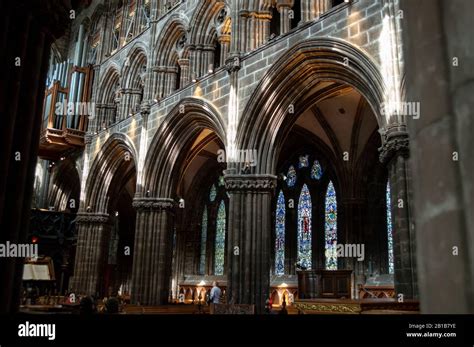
[[216, 293]]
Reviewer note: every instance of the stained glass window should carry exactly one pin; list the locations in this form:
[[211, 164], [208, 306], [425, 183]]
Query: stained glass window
[[220, 240], [330, 234], [316, 171], [280, 235], [304, 228], [213, 193], [389, 231], [304, 161], [221, 181], [291, 177], [202, 260]]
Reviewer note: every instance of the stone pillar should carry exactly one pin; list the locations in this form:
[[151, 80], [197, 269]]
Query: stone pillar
[[124, 109], [394, 154], [170, 80], [249, 238], [285, 20], [159, 81], [235, 27], [442, 149], [319, 7], [152, 252], [91, 253], [208, 52], [28, 29], [197, 61], [224, 41], [185, 78], [265, 19], [243, 34]]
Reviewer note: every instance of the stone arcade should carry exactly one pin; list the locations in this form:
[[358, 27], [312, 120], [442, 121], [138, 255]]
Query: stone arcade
[[293, 93]]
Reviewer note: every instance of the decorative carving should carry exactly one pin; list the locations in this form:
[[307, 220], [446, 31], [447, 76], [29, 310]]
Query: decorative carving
[[182, 42], [155, 204], [233, 64], [333, 308], [88, 139], [221, 16], [396, 144], [91, 218], [232, 309], [145, 108], [250, 182]]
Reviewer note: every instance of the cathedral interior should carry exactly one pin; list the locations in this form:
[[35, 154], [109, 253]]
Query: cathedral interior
[[309, 156]]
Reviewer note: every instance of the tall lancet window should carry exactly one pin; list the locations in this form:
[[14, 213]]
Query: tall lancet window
[[330, 232], [304, 228], [389, 231], [280, 235], [220, 240], [213, 193], [202, 259]]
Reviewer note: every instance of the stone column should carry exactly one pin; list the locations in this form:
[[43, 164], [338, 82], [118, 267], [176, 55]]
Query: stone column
[[208, 58], [184, 79], [224, 41], [244, 34], [442, 149], [319, 7], [394, 154], [159, 81], [91, 253], [28, 29], [249, 238], [197, 60], [265, 19], [170, 80], [124, 106], [285, 20], [236, 27], [152, 252]]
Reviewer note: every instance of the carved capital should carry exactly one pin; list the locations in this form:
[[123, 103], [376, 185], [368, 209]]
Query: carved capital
[[395, 144], [153, 204], [92, 218], [250, 182], [145, 108], [233, 64], [88, 139]]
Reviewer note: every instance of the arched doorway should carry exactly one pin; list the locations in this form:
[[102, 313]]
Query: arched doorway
[[181, 161], [105, 221], [285, 120]]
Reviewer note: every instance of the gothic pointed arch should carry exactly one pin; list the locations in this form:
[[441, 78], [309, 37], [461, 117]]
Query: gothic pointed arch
[[107, 108], [310, 62], [136, 59], [166, 44], [116, 159], [205, 19], [134, 80], [171, 142], [65, 189]]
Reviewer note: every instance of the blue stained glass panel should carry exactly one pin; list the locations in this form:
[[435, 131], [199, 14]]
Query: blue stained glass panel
[[202, 260], [330, 232], [213, 193], [316, 171], [280, 235], [304, 161], [291, 177], [220, 240], [304, 228]]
